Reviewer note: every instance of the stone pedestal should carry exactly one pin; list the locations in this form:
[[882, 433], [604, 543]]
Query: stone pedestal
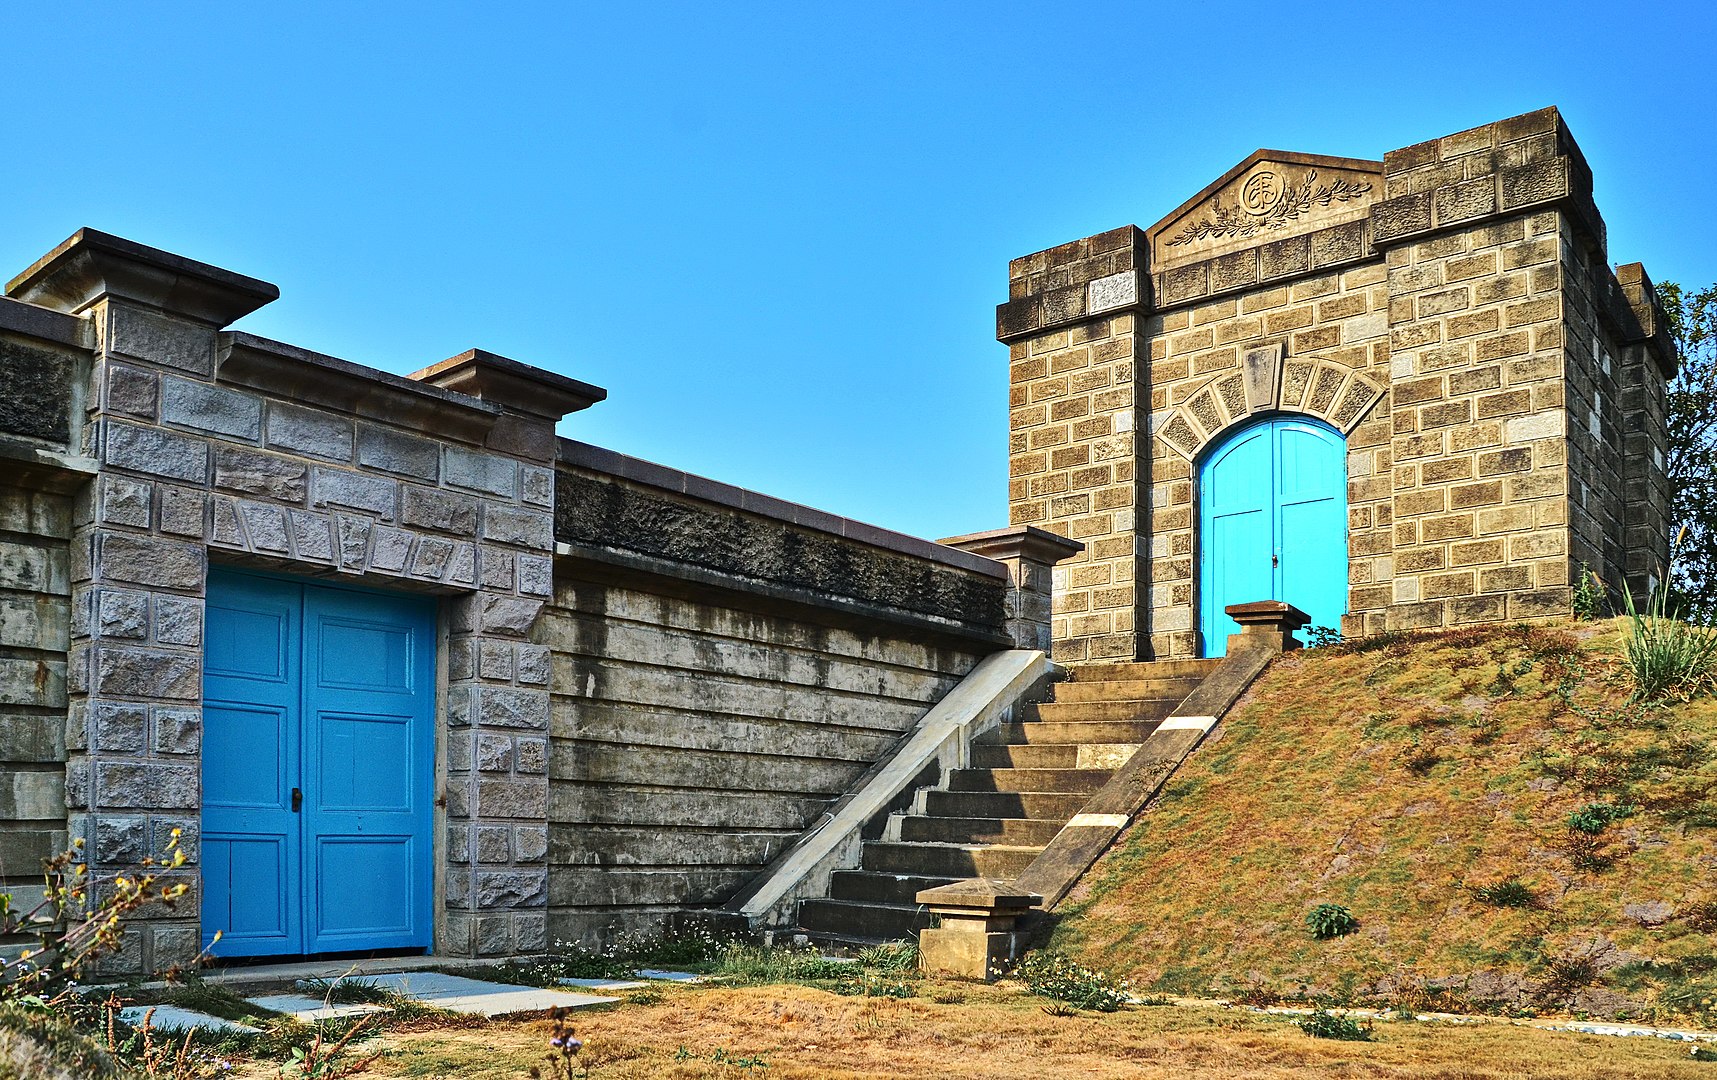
[[1030, 554], [1266, 624], [978, 933]]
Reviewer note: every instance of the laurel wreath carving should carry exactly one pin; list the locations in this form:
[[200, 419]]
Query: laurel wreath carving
[[1228, 221]]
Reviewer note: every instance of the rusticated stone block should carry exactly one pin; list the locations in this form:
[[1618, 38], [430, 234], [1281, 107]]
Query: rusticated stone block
[[212, 409], [143, 560], [155, 452], [270, 476], [440, 511], [146, 785]]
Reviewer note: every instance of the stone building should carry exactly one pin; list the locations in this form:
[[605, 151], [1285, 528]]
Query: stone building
[[409, 672], [1429, 356]]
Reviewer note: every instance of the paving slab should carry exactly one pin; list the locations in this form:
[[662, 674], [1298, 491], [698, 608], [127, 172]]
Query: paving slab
[[456, 993], [173, 1018], [310, 1009], [671, 976], [603, 984]]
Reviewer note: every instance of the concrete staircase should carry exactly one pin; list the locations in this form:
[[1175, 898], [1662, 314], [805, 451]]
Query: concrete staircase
[[991, 820]]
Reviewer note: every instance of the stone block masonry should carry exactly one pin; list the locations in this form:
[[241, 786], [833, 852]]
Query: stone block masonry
[[222, 447], [1449, 310], [724, 666], [647, 683]]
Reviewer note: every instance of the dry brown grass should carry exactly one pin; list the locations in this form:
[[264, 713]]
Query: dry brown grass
[[1393, 782], [999, 1033]]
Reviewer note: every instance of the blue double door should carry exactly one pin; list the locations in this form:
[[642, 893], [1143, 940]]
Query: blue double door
[[318, 761], [1272, 502]]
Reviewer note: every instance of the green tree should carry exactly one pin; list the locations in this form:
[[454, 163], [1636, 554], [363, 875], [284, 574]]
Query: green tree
[[1691, 462]]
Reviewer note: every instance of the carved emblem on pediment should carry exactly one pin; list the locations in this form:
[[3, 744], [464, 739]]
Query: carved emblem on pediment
[[1268, 201]]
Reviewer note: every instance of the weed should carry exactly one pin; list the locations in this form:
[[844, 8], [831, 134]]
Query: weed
[[1668, 658], [1060, 978], [565, 1051], [1699, 916], [1154, 1000], [1594, 818], [1419, 757], [320, 1060], [1587, 852], [1510, 893], [1322, 637], [874, 984], [948, 997], [1323, 1024], [1059, 1008], [1590, 598], [1327, 921], [755, 964], [890, 956], [1703, 1053], [1567, 974], [1485, 728], [647, 995], [722, 1057]]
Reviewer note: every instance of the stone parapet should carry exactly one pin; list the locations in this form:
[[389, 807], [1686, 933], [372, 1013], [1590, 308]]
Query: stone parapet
[[1071, 283]]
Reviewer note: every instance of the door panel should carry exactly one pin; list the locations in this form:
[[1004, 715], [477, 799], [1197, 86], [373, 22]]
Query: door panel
[[1287, 479], [367, 679], [329, 692], [250, 763]]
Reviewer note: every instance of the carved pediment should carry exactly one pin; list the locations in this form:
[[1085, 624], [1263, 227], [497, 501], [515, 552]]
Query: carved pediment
[[1271, 195]]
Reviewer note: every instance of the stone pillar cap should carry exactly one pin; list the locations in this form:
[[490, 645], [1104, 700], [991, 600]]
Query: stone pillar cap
[[1017, 542], [91, 265], [1267, 612], [979, 894], [515, 387]]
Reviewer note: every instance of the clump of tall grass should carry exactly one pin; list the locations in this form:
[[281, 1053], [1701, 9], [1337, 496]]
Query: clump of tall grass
[[1667, 656]]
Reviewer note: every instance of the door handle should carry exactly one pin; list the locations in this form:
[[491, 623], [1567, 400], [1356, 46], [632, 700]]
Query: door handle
[[297, 800], [1275, 561]]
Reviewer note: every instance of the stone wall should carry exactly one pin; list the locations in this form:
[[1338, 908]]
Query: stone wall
[[724, 665]]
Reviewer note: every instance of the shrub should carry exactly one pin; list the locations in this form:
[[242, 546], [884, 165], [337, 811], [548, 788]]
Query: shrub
[[1511, 892], [1594, 818], [1060, 978], [1327, 921], [1324, 1024]]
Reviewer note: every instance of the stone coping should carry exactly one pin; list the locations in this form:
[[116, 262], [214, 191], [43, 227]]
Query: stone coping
[[612, 463], [45, 324], [301, 376], [610, 566], [1017, 541], [91, 264], [499, 380]]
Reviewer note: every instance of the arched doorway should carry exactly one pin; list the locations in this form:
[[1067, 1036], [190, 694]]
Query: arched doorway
[[1272, 499]]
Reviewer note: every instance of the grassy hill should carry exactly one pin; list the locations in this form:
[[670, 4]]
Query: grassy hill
[[1511, 834]]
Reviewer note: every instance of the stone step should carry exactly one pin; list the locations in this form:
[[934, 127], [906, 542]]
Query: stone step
[[1053, 755], [1070, 692], [952, 830], [1036, 805], [1084, 712], [1083, 781], [847, 920], [947, 860], [1145, 669], [865, 886], [1038, 733]]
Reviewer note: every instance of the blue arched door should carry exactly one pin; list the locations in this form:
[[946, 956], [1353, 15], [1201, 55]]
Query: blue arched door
[[1272, 500]]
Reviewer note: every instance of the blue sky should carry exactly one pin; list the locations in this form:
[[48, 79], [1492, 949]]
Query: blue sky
[[776, 233]]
